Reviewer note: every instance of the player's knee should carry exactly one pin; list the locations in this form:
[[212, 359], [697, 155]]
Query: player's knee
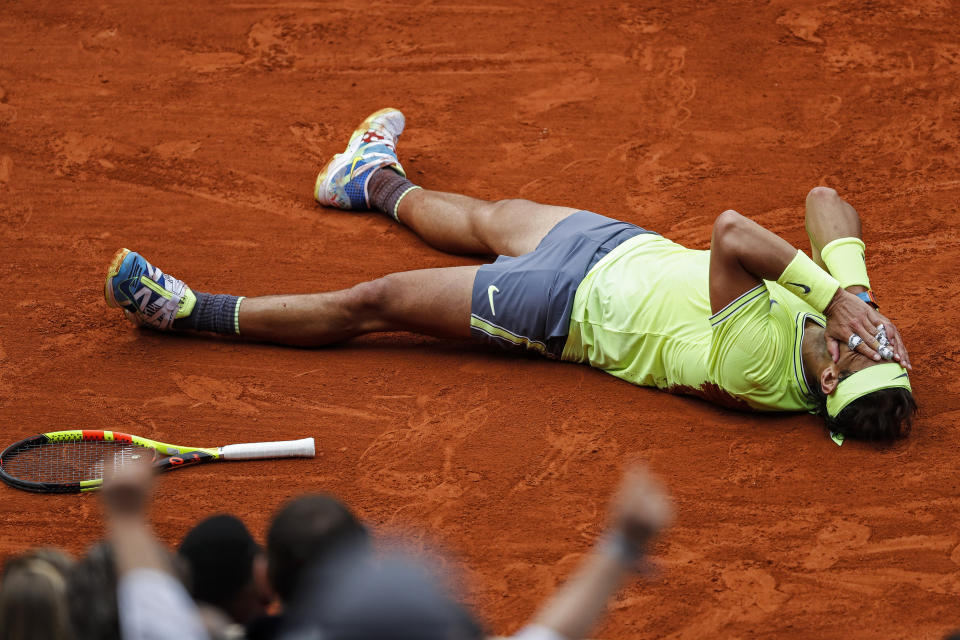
[[506, 208], [822, 195], [513, 203], [492, 216], [368, 300], [498, 207], [483, 217]]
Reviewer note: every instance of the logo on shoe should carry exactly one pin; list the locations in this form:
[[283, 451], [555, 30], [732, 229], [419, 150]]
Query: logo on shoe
[[141, 298]]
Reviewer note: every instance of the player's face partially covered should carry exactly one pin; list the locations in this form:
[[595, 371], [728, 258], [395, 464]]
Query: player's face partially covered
[[830, 373], [852, 361]]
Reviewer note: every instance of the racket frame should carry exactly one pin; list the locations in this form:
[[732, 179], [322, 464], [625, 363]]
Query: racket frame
[[175, 456]]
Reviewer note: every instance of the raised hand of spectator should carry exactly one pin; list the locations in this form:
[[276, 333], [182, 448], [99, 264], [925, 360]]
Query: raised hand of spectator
[[639, 511], [641, 508], [148, 595], [127, 488]]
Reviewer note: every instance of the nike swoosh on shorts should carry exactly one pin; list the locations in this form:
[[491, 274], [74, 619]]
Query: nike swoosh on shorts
[[492, 289]]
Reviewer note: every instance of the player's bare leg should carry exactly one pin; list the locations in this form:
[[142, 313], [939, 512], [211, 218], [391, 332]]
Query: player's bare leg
[[460, 224], [367, 175], [435, 302], [430, 301]]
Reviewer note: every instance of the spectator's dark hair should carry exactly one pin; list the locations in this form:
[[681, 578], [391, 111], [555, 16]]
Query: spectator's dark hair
[[885, 414], [304, 532], [33, 602], [92, 595], [220, 553]]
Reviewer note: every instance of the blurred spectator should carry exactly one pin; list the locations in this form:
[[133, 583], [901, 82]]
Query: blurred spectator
[[227, 568], [372, 598], [92, 595], [390, 598], [304, 532], [395, 599], [152, 603], [33, 597]]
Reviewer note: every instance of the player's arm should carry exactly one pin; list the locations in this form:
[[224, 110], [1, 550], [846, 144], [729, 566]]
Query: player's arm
[[639, 512], [828, 218], [742, 254], [833, 224]]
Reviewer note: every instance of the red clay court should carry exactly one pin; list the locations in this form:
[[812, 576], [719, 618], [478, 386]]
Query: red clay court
[[192, 132]]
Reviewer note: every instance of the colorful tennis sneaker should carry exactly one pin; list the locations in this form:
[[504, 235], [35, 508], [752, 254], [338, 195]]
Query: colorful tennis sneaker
[[147, 296], [373, 145]]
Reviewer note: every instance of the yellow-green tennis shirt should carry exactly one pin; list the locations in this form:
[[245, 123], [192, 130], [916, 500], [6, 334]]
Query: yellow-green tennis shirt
[[642, 313]]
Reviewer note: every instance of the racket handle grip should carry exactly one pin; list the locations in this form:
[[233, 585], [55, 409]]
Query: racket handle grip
[[254, 450]]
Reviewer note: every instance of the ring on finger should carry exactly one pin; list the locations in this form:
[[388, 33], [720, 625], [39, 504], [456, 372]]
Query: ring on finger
[[882, 336], [854, 341]]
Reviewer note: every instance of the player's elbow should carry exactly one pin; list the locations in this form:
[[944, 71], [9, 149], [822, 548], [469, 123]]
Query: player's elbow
[[727, 228], [822, 196]]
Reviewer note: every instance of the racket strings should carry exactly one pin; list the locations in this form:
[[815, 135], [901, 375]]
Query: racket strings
[[70, 461]]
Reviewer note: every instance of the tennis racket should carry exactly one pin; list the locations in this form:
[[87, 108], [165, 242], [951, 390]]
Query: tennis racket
[[73, 461]]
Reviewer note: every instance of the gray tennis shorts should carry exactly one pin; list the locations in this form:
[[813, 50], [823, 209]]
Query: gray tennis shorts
[[525, 302]]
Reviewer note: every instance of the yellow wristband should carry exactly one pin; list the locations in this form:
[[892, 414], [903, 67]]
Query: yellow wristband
[[804, 279], [845, 259]]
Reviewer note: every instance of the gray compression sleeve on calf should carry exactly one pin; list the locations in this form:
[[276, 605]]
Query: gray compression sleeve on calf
[[386, 189], [215, 313]]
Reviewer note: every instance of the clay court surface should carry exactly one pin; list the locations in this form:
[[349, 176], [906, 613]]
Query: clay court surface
[[192, 132]]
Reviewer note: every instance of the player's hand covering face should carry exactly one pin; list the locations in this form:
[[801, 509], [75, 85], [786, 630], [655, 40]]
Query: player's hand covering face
[[847, 315]]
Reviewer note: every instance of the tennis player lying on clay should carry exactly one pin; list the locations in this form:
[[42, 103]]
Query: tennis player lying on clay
[[751, 323]]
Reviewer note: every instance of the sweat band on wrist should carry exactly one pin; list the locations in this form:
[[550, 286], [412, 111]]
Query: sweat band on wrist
[[804, 279], [845, 259]]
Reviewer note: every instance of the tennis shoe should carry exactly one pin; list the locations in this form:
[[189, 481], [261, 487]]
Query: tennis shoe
[[147, 296], [373, 145]]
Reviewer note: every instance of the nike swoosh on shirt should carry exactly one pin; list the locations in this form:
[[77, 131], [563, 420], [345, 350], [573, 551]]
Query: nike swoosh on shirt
[[902, 375], [490, 291], [805, 288]]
